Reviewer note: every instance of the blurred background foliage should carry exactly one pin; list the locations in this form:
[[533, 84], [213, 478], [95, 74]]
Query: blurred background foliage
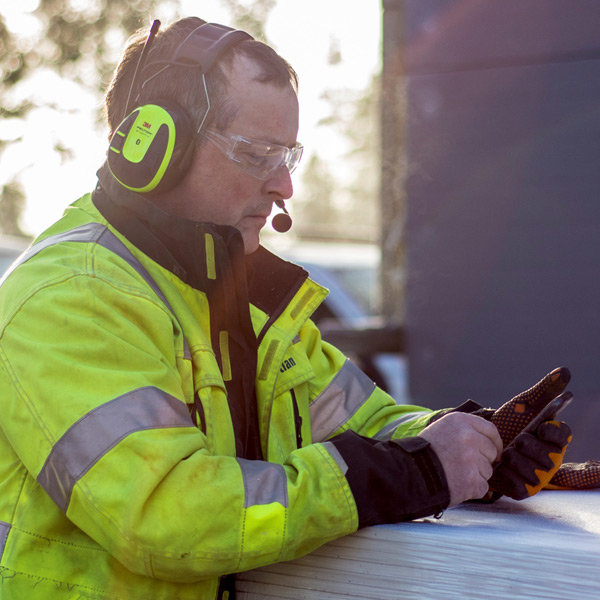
[[79, 41]]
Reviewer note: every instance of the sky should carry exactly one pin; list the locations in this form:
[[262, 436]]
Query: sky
[[302, 32]]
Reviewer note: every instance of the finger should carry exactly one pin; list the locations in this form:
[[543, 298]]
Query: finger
[[489, 450], [513, 416], [484, 488], [537, 396], [530, 463], [490, 431], [485, 469], [555, 432], [510, 482], [521, 463], [534, 449]]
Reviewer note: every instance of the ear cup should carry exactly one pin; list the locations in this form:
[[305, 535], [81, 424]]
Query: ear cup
[[152, 148]]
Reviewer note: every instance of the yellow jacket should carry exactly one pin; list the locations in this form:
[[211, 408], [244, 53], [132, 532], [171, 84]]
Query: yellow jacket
[[132, 465]]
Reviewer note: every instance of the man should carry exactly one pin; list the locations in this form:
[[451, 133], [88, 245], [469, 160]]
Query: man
[[153, 442]]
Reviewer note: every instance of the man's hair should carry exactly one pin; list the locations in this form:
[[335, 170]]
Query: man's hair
[[183, 85]]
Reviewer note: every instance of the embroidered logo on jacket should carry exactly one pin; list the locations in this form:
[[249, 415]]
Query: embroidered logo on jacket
[[287, 364]]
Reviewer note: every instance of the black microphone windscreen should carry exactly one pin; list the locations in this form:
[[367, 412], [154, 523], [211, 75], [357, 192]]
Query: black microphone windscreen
[[281, 222]]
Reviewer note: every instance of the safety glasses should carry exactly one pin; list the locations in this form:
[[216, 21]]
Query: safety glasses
[[260, 159]]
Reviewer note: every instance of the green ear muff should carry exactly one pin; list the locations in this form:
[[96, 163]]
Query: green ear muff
[[142, 148], [152, 148]]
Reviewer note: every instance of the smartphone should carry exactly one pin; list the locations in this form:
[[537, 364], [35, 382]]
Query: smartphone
[[549, 411]]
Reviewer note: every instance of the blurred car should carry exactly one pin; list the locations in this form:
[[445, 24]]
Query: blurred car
[[10, 247]]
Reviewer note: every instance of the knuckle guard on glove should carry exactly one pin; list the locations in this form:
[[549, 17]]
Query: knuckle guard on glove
[[514, 415], [531, 461], [555, 432], [527, 446]]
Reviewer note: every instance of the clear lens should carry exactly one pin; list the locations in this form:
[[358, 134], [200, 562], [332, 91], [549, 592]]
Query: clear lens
[[256, 157]]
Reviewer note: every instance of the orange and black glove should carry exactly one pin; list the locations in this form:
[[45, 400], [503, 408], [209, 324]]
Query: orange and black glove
[[513, 416], [531, 461], [576, 476]]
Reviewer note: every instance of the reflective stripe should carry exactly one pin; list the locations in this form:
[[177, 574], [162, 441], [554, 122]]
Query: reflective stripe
[[265, 370], [388, 431], [85, 233], [98, 234], [224, 351], [4, 529], [335, 454], [336, 404], [264, 482], [304, 300], [209, 245], [92, 436]]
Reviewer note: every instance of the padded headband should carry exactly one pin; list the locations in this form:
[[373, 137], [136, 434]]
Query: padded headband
[[206, 43]]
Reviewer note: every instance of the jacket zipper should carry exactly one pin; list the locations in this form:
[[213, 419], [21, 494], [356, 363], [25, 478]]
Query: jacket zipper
[[198, 414], [297, 420]]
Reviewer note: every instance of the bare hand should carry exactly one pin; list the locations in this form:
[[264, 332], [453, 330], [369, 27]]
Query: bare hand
[[467, 447]]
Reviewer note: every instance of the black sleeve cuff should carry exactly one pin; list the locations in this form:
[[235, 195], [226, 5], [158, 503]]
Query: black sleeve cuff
[[393, 481]]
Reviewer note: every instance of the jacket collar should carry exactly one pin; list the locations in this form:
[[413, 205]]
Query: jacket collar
[[179, 245]]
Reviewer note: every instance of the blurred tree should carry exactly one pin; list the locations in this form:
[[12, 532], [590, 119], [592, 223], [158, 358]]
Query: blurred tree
[[344, 202], [78, 40], [314, 209], [362, 133], [250, 16], [12, 201]]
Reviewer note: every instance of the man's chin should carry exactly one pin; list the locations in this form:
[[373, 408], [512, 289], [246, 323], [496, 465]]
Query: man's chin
[[250, 229], [251, 242]]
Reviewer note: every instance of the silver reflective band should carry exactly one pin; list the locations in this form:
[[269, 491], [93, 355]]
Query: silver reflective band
[[98, 234], [335, 454], [385, 435], [90, 438], [86, 233], [336, 404], [264, 483], [4, 529]]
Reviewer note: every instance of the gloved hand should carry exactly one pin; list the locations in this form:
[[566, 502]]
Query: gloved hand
[[514, 415], [576, 476], [531, 461]]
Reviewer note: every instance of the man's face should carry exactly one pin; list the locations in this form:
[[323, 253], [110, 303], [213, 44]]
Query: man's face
[[216, 189]]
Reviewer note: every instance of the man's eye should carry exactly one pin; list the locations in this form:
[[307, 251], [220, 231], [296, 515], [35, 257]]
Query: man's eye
[[251, 158]]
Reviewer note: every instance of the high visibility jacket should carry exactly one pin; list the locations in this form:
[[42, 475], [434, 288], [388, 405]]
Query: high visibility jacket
[[132, 463]]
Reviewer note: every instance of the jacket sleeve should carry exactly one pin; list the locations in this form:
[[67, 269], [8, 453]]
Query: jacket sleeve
[[394, 475], [343, 398], [95, 407]]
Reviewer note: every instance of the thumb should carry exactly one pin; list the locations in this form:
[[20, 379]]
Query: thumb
[[514, 415]]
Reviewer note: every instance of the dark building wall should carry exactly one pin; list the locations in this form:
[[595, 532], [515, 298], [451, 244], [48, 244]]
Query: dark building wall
[[503, 225]]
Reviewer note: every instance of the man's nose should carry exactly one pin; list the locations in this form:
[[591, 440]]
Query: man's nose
[[280, 183]]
